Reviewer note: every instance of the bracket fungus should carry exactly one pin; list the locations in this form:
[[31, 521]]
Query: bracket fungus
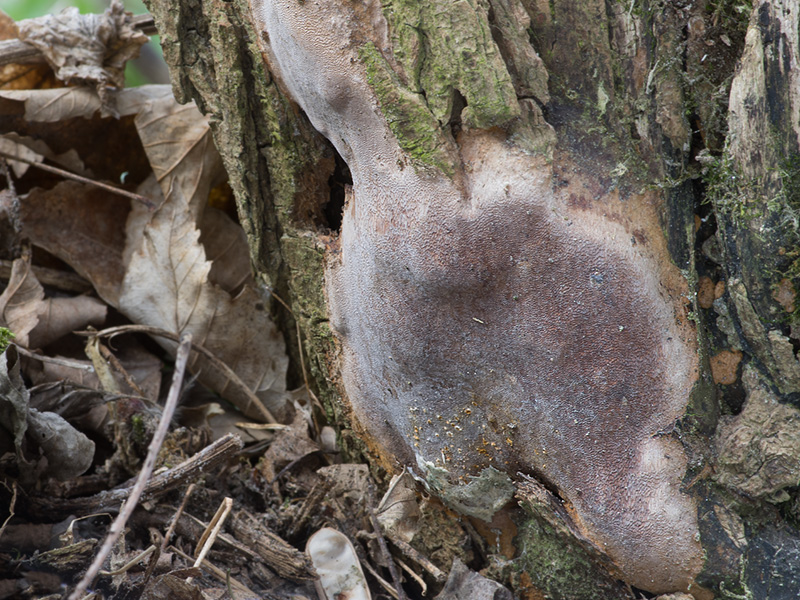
[[485, 317]]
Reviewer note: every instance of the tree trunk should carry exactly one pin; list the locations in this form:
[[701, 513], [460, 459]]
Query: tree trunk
[[540, 250]]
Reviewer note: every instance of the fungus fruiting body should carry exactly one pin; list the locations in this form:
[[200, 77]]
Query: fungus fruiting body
[[486, 320]]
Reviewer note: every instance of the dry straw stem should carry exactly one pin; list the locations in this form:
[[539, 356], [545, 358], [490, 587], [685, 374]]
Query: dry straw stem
[[212, 531], [219, 574], [233, 378], [69, 175], [147, 469]]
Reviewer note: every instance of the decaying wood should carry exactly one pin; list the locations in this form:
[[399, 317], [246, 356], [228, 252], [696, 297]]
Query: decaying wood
[[69, 559], [209, 458], [286, 560]]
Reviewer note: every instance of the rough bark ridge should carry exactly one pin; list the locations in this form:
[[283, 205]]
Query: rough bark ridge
[[501, 288]]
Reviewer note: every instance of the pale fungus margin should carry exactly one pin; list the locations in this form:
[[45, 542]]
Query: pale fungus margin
[[486, 317]]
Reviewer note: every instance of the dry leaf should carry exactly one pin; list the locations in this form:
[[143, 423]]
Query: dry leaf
[[90, 49], [50, 106], [68, 452], [85, 408], [167, 274], [22, 302], [398, 510], [59, 104], [10, 225], [226, 247], [36, 150], [465, 583], [290, 444], [19, 76], [81, 374], [143, 367], [7, 146], [85, 227], [61, 316], [80, 131], [166, 285], [13, 397], [180, 148]]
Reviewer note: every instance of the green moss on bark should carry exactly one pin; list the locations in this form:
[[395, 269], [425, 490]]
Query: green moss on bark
[[445, 47], [556, 563], [415, 128]]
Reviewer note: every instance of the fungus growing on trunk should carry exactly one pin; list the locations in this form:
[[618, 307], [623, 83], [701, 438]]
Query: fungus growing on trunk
[[486, 317]]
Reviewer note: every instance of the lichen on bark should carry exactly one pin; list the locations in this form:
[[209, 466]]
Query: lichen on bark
[[447, 47], [416, 129]]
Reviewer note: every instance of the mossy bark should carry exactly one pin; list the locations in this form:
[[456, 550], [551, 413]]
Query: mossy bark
[[638, 96]]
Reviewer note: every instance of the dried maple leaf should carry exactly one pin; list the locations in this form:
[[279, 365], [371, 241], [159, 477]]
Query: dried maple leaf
[[166, 285]]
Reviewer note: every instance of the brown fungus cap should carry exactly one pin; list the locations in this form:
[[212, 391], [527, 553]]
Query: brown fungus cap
[[487, 319]]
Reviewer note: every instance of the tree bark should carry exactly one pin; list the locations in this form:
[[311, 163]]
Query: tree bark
[[546, 250]]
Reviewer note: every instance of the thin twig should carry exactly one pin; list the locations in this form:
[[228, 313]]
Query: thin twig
[[114, 362], [216, 362], [384, 584], [420, 581], [412, 553], [218, 573], [212, 531], [176, 518], [131, 563], [69, 175], [64, 362], [118, 525], [387, 556]]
